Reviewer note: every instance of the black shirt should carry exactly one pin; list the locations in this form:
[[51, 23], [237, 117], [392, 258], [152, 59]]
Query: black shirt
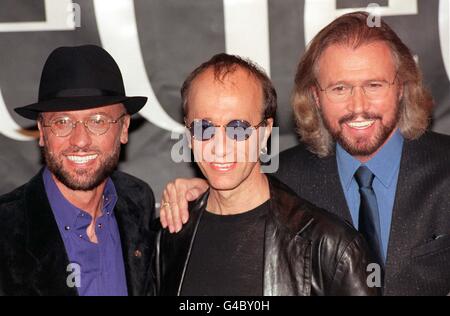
[[227, 255]]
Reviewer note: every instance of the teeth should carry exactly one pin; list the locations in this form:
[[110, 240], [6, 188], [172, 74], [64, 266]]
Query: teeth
[[222, 166], [81, 159], [360, 124]]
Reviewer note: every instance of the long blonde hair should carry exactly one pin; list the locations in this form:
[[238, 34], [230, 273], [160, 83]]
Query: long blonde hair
[[351, 29]]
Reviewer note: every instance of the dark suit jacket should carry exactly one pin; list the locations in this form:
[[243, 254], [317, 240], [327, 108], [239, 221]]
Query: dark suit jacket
[[418, 259], [33, 260]]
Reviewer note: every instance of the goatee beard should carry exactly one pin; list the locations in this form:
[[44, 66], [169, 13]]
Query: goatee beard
[[84, 180], [362, 146]]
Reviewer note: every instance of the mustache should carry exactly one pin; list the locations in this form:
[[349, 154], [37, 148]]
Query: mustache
[[77, 150], [364, 115]]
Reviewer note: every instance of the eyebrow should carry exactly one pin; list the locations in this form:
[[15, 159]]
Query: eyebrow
[[70, 115], [351, 84]]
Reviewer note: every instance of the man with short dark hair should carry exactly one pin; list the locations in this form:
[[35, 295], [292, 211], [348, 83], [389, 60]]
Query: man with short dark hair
[[78, 227]]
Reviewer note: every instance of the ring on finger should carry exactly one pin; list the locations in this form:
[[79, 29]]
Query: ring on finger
[[164, 204]]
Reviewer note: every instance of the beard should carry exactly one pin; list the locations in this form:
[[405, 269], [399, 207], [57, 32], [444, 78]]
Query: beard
[[362, 146], [82, 179]]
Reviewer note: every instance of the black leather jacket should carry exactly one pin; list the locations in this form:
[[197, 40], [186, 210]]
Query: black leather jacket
[[308, 251]]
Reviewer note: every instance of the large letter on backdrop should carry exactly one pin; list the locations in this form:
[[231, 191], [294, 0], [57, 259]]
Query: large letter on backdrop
[[118, 32], [247, 30], [319, 13], [444, 34], [56, 13]]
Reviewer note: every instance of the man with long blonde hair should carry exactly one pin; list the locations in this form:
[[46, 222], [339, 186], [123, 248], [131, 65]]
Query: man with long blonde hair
[[362, 114]]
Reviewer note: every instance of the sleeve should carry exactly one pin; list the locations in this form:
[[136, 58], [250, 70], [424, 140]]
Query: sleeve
[[353, 275]]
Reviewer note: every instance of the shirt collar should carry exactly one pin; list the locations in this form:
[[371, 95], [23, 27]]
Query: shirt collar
[[383, 165], [68, 216], [387, 161], [347, 166]]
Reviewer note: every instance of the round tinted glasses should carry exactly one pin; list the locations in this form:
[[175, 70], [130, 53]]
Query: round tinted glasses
[[239, 130]]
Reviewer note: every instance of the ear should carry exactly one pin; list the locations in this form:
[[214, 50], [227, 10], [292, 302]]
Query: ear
[[315, 94], [124, 131], [41, 133], [187, 133], [400, 91], [267, 132], [188, 137]]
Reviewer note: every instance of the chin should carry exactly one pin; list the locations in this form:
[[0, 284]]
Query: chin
[[364, 146], [221, 183]]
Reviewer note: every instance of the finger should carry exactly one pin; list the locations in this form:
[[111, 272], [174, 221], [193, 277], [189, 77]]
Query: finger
[[162, 212], [174, 210], [168, 211], [194, 193], [197, 187], [182, 206]]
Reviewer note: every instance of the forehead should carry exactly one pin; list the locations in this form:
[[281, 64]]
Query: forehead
[[237, 95], [369, 61], [108, 109]]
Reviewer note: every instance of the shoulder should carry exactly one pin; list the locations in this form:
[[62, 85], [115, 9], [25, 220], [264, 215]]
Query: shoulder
[[17, 198], [126, 181], [430, 143], [294, 162], [12, 197], [436, 138], [128, 186], [290, 206], [135, 213], [299, 161], [293, 154], [133, 189], [428, 156], [330, 227], [13, 211]]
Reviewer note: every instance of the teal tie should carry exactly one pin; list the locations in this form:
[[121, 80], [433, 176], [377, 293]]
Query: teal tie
[[369, 218]]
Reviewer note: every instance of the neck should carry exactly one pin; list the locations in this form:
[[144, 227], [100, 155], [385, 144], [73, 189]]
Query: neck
[[89, 201], [251, 193]]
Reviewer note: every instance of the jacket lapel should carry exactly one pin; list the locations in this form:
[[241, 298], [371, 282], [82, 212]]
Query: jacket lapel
[[332, 193], [405, 213], [44, 244], [136, 250], [284, 245], [182, 243]]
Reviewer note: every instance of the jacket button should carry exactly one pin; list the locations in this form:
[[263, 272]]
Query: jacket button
[[138, 253]]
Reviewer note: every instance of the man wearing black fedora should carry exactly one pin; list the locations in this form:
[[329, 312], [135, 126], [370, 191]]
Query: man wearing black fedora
[[79, 227]]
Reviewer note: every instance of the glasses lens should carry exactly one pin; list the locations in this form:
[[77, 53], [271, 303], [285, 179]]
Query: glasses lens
[[376, 89], [98, 124], [61, 126], [239, 130], [202, 130], [338, 92]]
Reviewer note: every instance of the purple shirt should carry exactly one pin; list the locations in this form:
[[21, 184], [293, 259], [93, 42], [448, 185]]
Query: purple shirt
[[101, 265]]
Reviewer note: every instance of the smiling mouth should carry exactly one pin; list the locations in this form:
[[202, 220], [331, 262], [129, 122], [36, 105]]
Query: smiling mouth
[[81, 159], [360, 124], [222, 166]]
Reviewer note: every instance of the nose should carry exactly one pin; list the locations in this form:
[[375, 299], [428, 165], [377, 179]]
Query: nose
[[223, 145], [80, 136], [358, 101]]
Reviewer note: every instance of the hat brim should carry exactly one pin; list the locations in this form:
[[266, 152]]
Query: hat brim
[[132, 104]]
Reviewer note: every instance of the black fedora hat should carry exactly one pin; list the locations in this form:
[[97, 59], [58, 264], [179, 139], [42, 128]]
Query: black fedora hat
[[79, 78]]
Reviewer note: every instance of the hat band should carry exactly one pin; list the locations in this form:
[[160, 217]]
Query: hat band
[[82, 92]]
